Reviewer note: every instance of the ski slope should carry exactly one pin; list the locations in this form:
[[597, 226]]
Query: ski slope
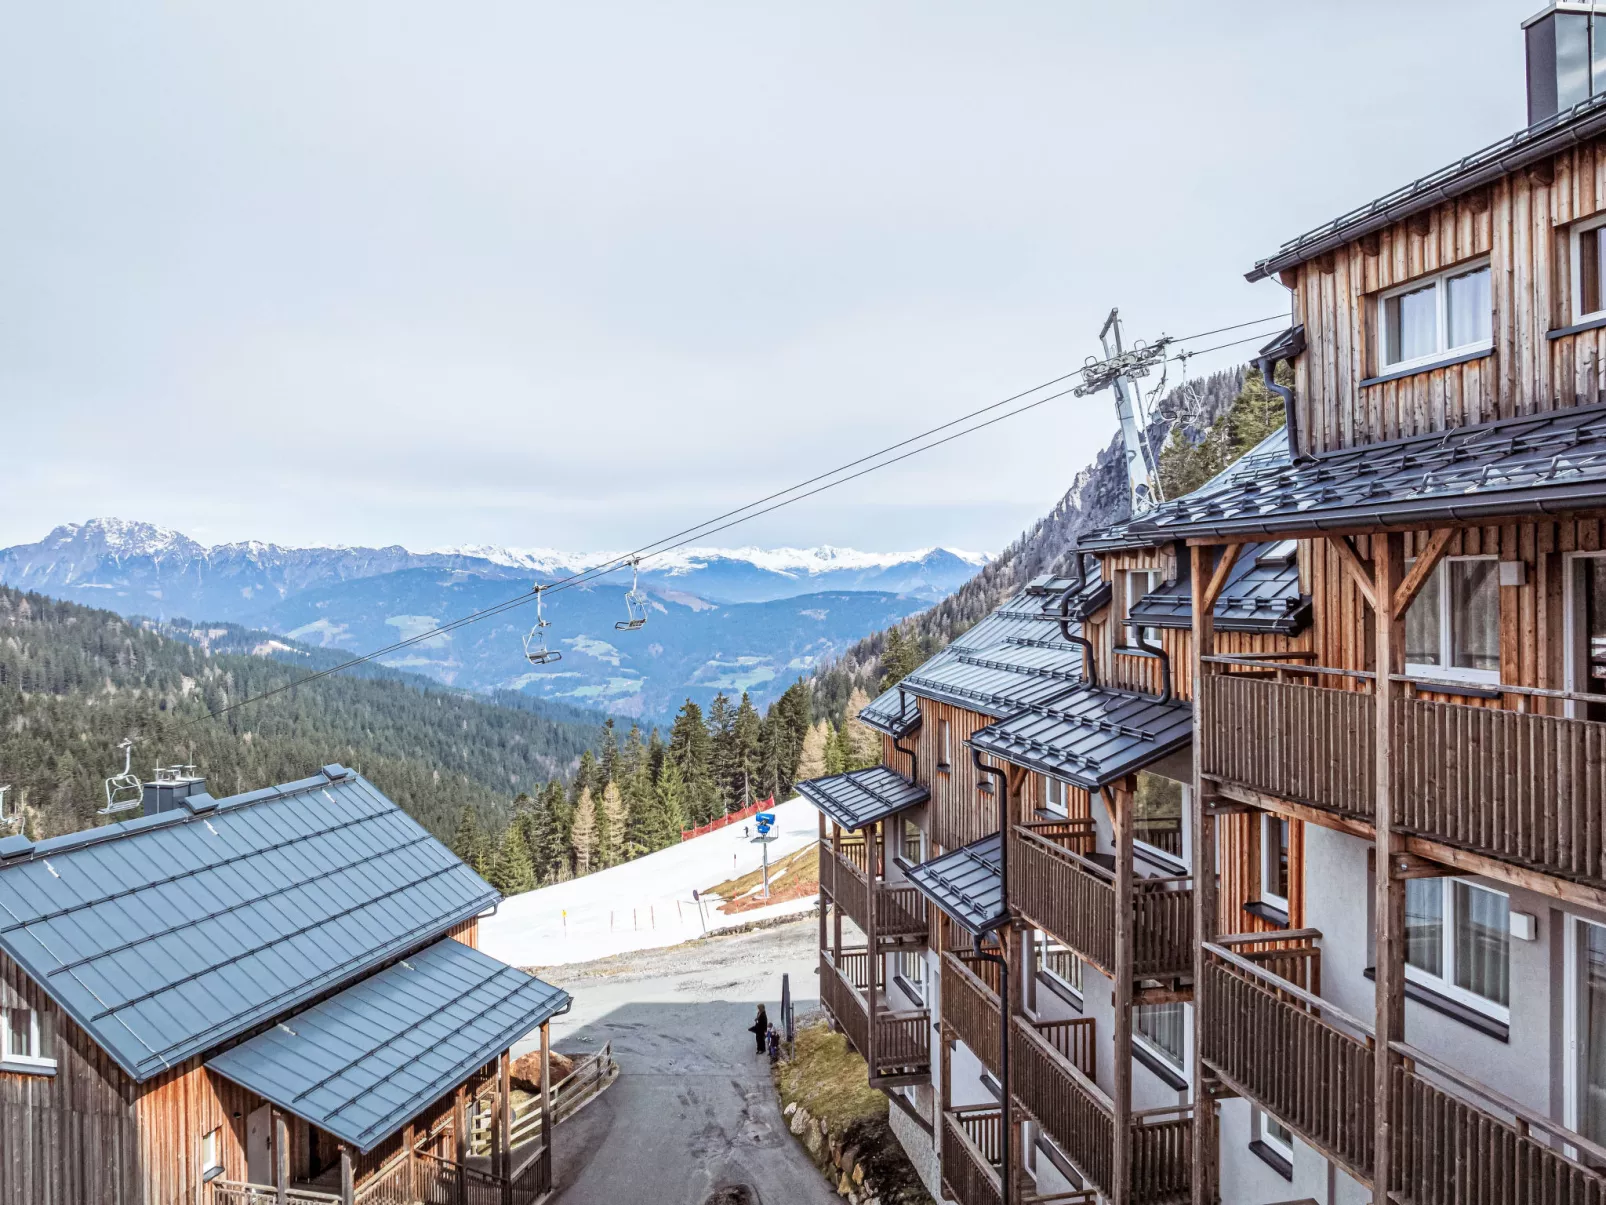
[[646, 903]]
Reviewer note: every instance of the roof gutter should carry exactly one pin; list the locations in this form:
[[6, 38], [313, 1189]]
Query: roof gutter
[[1523, 155]]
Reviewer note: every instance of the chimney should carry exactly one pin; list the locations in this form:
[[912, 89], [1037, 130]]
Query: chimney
[[1566, 46], [173, 784]]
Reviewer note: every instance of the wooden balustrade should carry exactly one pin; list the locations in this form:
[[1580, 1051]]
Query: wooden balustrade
[[1274, 1042], [855, 853], [970, 1005], [1522, 787], [971, 1142], [1078, 834], [1073, 1039], [1073, 898], [854, 966], [902, 1039], [900, 911], [1309, 744]]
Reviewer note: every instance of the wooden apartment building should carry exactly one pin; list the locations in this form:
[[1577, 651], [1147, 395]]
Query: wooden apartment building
[[269, 999]]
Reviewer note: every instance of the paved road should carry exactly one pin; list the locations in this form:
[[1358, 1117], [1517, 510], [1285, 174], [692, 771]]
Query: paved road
[[693, 1111]]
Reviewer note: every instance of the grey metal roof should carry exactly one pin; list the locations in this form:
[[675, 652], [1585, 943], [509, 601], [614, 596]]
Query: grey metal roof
[[967, 884], [1091, 737], [165, 936], [1261, 595], [1539, 463], [892, 712], [1268, 454], [862, 797], [1084, 602], [1526, 147], [362, 1063]]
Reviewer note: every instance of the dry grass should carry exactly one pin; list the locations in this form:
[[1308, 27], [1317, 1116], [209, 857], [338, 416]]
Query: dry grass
[[802, 879], [829, 1080]]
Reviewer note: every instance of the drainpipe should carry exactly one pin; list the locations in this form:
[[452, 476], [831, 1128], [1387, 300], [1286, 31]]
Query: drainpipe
[[914, 761], [1292, 345], [1165, 662], [1090, 669], [1005, 1179]]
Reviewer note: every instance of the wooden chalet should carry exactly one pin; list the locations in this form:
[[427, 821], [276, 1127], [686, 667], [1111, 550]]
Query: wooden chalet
[[268, 999]]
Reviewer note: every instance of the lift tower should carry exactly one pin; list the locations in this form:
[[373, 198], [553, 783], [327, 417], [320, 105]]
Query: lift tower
[[1120, 369]]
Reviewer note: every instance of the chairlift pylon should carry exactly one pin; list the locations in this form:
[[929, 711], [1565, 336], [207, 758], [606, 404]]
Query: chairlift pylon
[[635, 604], [535, 649], [123, 791]]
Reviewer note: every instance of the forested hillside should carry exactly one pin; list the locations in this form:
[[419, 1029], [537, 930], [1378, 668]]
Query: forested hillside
[[1201, 426], [74, 681]]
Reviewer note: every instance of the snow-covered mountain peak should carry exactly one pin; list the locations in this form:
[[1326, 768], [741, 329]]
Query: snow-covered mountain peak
[[122, 538]]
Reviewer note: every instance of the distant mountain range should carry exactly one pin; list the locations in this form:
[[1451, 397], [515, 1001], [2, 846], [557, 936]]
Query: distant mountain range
[[719, 619]]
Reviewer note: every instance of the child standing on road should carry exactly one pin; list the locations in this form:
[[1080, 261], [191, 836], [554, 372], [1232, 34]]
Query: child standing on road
[[773, 1039]]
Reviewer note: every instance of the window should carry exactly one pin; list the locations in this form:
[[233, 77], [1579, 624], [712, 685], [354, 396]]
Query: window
[[1157, 813], [1458, 942], [212, 1154], [1436, 318], [1160, 1027], [1057, 961], [945, 746], [914, 843], [27, 1036], [1453, 627], [1055, 799], [1272, 1141], [1274, 861], [1587, 1030], [1589, 256], [910, 968], [1138, 583]]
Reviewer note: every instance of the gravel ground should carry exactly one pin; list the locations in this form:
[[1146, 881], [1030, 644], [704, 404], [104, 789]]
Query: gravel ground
[[693, 1117]]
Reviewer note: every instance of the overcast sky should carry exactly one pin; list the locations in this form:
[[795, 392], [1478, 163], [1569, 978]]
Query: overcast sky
[[576, 275]]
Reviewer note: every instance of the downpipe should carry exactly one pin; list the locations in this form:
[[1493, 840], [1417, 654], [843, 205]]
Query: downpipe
[[914, 759], [1005, 1179], [1165, 663], [1090, 669]]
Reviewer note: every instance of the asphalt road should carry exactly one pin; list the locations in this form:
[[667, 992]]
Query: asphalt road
[[693, 1114]]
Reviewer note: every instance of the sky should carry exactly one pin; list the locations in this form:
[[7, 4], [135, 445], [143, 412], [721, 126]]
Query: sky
[[577, 276]]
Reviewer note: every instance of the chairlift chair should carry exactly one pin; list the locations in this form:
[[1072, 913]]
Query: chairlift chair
[[635, 605], [535, 649], [123, 791]]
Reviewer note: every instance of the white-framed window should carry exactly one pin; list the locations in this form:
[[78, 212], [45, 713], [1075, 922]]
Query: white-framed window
[[945, 745], [1056, 797], [1138, 583], [913, 840], [1440, 316], [1267, 1130], [1162, 1029], [911, 968], [1274, 860], [1585, 632], [212, 1154], [1056, 961], [27, 1037], [1589, 257], [1585, 1022], [1452, 629], [1458, 942]]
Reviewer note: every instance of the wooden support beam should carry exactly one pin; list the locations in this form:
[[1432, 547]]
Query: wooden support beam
[[1389, 908], [281, 1158], [1218, 578], [1119, 801], [348, 1180], [1410, 866], [872, 954], [504, 1124], [546, 1098], [1360, 572], [1205, 807], [1426, 562]]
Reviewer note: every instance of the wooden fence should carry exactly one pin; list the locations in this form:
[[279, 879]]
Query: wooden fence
[[970, 1005], [971, 1142], [230, 1192]]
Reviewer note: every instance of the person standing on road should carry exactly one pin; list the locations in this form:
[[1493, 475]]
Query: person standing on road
[[759, 1028]]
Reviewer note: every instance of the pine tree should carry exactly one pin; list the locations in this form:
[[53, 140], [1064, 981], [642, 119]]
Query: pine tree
[[583, 834], [785, 727], [723, 757], [690, 749], [862, 744], [747, 733], [469, 842], [812, 762], [611, 834], [608, 751], [514, 872], [899, 657], [549, 837], [586, 777], [836, 751], [663, 819]]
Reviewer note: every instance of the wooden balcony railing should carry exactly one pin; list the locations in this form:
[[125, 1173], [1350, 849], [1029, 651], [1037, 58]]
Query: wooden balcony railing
[[1080, 1118], [970, 1005], [1457, 1142], [1518, 786], [1073, 898], [902, 1039], [971, 1155], [1309, 744], [1073, 1039], [900, 911], [1281, 1045]]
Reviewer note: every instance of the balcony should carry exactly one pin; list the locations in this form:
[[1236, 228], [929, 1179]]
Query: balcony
[[972, 1154], [844, 875], [902, 1040], [1068, 894], [1517, 786], [1052, 1086], [1456, 1142], [970, 1005]]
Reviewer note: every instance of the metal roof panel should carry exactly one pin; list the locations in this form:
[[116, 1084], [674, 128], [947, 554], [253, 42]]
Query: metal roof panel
[[862, 797], [1091, 737], [967, 884]]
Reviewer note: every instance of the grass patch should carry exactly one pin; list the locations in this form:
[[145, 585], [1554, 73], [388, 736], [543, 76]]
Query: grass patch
[[791, 878], [829, 1080]]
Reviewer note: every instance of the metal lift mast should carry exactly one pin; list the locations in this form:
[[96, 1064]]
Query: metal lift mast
[[1120, 370]]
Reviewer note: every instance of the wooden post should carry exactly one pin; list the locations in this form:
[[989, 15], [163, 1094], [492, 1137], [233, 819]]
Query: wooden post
[[1119, 802], [410, 1143], [825, 892], [460, 1137], [836, 911], [546, 1104], [348, 1183], [1203, 832], [504, 1124], [872, 841], [281, 1158], [1388, 561], [1015, 958]]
